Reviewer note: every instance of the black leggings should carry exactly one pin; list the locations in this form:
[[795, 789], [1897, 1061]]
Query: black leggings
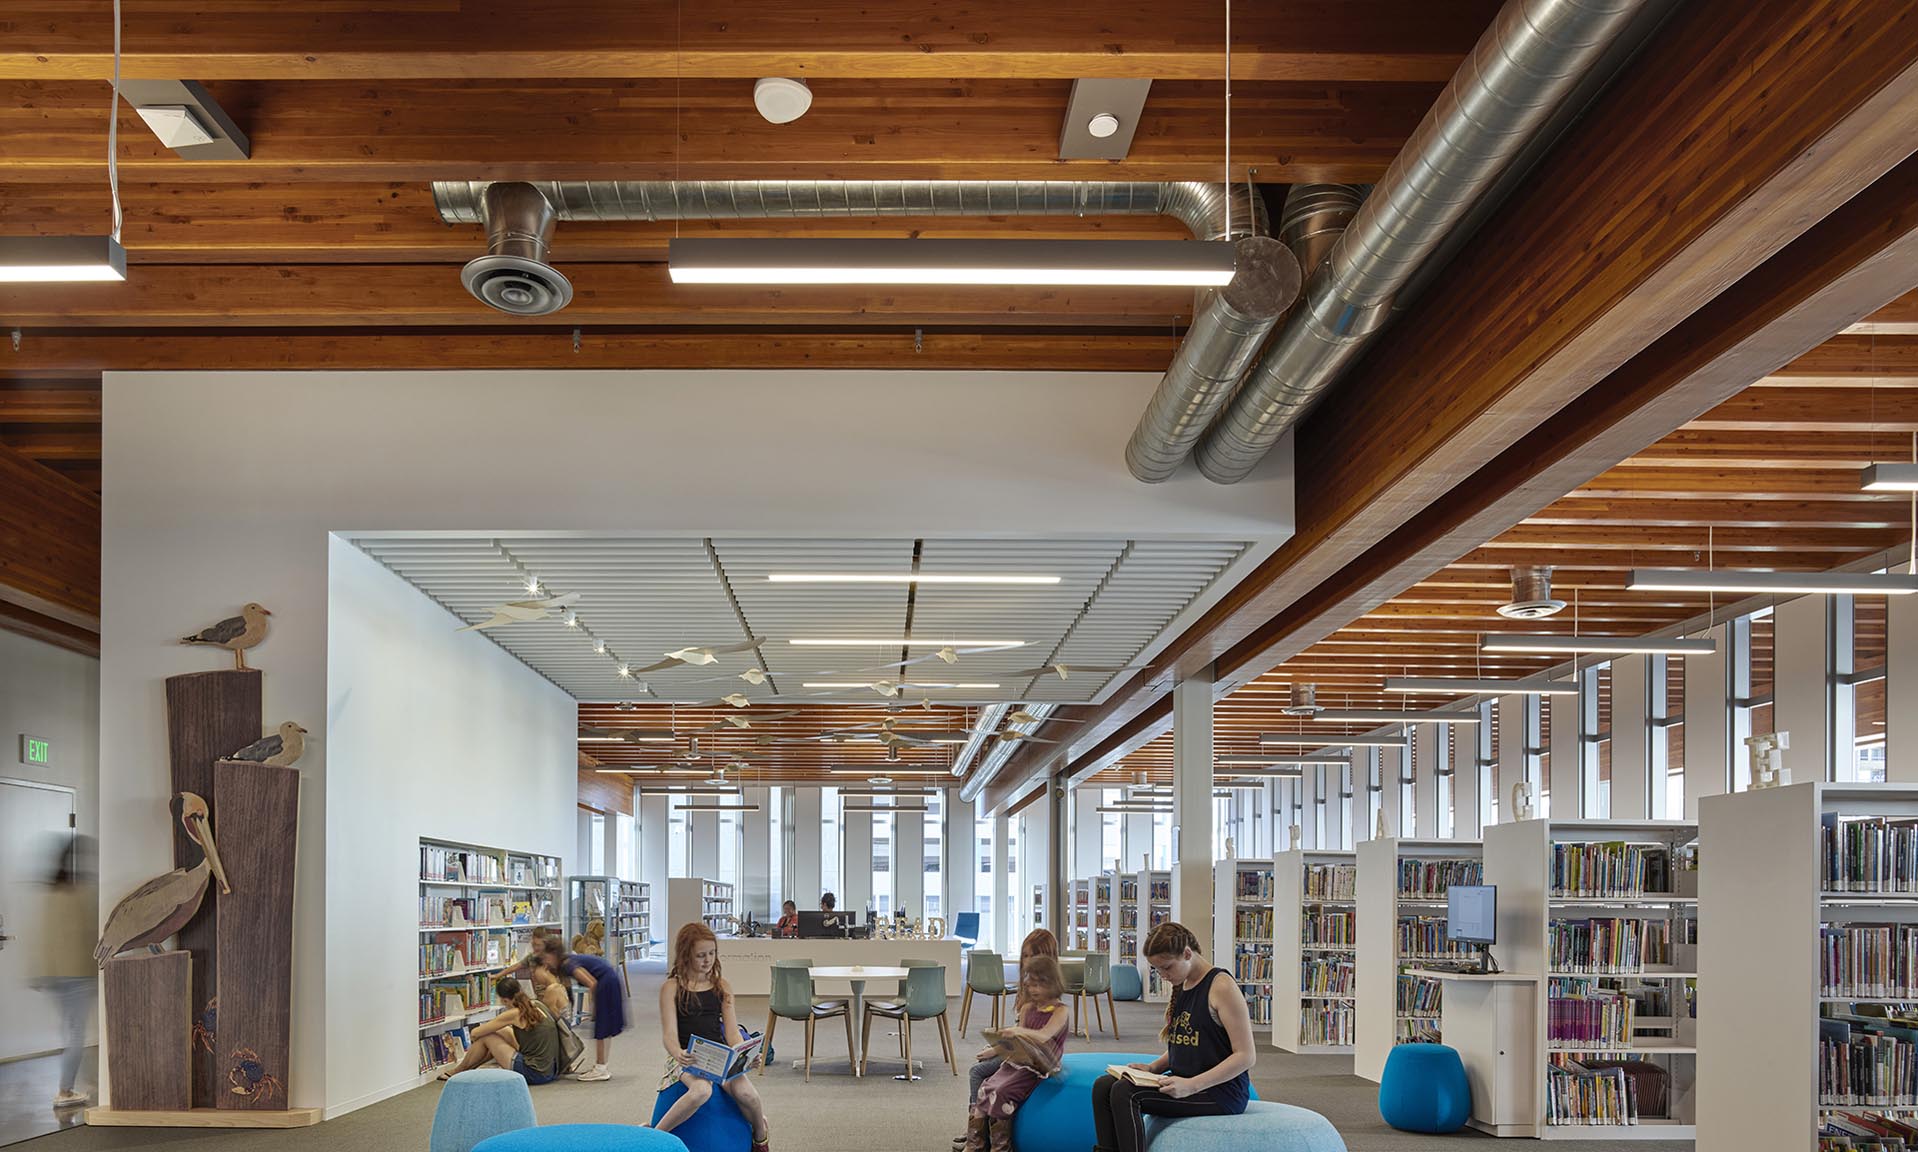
[[1119, 1109]]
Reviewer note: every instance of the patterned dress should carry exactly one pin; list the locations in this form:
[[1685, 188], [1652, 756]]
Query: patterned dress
[[1006, 1089]]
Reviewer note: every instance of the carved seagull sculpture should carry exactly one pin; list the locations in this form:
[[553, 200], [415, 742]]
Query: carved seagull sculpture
[[280, 750], [235, 633]]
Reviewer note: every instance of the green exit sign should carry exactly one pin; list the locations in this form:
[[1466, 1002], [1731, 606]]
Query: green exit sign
[[35, 751]]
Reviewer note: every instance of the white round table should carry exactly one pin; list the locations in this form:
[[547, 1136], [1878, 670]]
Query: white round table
[[856, 975]]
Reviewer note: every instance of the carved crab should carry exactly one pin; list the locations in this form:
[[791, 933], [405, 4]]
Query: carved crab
[[249, 1078], [205, 1024]]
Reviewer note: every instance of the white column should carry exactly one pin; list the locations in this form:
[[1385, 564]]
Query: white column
[[1001, 888], [1391, 768], [802, 881], [1707, 724], [1631, 740], [1426, 756], [654, 836], [1035, 847], [1798, 687], [1466, 773], [702, 839], [755, 857], [1192, 804], [1901, 690], [962, 859], [1565, 762], [909, 862], [855, 862], [1088, 851]]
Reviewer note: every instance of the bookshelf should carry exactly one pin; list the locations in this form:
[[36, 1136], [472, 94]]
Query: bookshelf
[[1105, 892], [623, 906], [1155, 908], [1401, 905], [1038, 906], [690, 898], [478, 907], [1770, 1028], [1314, 949], [1242, 892], [635, 918], [1081, 922], [1605, 913]]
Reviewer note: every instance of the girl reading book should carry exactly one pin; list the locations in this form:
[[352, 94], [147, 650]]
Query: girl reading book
[[609, 999], [522, 1038], [1029, 1052], [1038, 942], [1208, 1057], [694, 1001]]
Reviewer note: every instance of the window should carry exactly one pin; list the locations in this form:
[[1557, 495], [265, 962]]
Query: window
[[1109, 827], [596, 844], [729, 838], [882, 887], [934, 865], [626, 857], [1374, 792], [982, 886], [1674, 738], [1161, 841], [678, 851], [1868, 622], [828, 844], [776, 846], [1445, 763]]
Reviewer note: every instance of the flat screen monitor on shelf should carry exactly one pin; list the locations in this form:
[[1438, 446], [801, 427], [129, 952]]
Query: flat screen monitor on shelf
[[1471, 913]]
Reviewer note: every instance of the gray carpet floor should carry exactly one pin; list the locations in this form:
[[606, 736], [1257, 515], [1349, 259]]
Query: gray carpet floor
[[836, 1111]]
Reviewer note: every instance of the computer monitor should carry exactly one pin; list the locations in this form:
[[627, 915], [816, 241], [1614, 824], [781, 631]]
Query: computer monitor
[[1471, 913], [823, 925]]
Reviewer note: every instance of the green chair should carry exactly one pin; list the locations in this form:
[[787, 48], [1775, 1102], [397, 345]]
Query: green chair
[[985, 976], [1095, 981], [925, 999], [793, 999], [1072, 973]]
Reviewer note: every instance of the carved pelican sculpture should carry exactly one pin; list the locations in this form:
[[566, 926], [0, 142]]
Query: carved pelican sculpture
[[162, 906]]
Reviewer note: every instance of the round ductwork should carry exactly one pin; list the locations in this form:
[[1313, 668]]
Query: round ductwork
[[1531, 594], [1305, 701], [513, 276]]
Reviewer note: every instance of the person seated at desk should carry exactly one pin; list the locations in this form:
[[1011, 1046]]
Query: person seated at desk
[[829, 906], [788, 925]]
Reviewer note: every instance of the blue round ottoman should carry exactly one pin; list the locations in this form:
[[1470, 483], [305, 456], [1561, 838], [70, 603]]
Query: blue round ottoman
[[1057, 1117], [477, 1104], [1126, 983], [1424, 1089], [1280, 1127], [583, 1138], [718, 1126]]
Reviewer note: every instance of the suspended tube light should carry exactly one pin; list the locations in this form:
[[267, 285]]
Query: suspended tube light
[[1143, 263]]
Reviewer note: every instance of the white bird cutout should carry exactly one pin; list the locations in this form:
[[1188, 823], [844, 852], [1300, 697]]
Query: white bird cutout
[[1015, 737], [699, 655], [1021, 716], [523, 611], [1064, 671]]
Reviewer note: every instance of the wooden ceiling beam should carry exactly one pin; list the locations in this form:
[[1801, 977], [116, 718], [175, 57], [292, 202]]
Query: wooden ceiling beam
[[1567, 561], [1898, 318], [42, 405], [1734, 161], [741, 39], [388, 131], [1653, 514], [1770, 450], [1632, 480], [1855, 355], [49, 544]]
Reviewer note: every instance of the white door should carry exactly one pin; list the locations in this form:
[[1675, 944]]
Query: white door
[[36, 825]]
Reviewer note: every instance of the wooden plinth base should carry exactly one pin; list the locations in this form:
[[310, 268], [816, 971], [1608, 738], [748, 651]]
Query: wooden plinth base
[[203, 1118]]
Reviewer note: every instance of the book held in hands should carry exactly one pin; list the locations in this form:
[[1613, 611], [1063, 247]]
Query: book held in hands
[[1138, 1076], [719, 1062]]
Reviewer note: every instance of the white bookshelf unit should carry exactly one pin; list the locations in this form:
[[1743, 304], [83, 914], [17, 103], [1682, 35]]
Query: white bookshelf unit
[[1314, 950], [1105, 892], [1080, 923], [690, 898], [1401, 890], [1155, 908], [477, 911], [1605, 914], [1784, 865], [624, 907], [1242, 892], [635, 918]]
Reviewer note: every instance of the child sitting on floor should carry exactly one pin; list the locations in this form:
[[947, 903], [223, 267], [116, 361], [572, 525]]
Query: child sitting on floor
[[1031, 1050]]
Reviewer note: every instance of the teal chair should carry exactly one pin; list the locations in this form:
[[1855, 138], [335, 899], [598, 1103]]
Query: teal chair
[[925, 999], [1072, 972], [1095, 980], [985, 976], [793, 999]]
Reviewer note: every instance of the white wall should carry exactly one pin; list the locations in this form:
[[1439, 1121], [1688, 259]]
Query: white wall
[[430, 732]]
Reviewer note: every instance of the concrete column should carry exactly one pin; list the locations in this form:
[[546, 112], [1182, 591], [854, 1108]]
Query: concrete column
[[654, 836], [1563, 768], [702, 839], [1192, 804], [1001, 886], [1631, 739], [855, 862], [1473, 740], [1511, 754], [1707, 724], [1391, 769], [962, 860], [1428, 752], [1901, 690], [755, 858], [1798, 687], [909, 862], [1057, 808], [802, 880]]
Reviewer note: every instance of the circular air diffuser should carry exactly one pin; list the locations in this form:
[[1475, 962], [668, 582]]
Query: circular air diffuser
[[518, 285], [1305, 701], [1531, 595]]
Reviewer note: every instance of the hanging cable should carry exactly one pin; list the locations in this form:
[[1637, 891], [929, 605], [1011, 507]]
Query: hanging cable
[[113, 128], [1226, 185]]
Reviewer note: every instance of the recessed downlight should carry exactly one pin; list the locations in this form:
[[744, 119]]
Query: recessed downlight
[[1102, 125]]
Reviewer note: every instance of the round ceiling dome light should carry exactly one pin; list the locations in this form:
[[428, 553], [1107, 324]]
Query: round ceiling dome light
[[781, 99], [1102, 125]]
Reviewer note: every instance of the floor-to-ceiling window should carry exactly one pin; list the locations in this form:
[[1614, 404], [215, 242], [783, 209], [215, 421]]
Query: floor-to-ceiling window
[[776, 846], [678, 850], [982, 877], [933, 864], [729, 845], [882, 854], [1868, 687], [1109, 829], [1161, 841]]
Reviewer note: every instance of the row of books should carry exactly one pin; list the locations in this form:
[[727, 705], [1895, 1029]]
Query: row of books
[[1251, 962], [1128, 888], [1260, 1005], [1326, 977], [1611, 868], [1865, 1132], [443, 1048], [1326, 1022], [1581, 1015], [1608, 944], [1255, 923], [1332, 929], [463, 911], [1869, 854], [451, 957], [1418, 1031], [1424, 937], [465, 866], [1420, 995], [1161, 892], [1428, 879], [1579, 1094], [1875, 960], [440, 1001], [1867, 1062], [1256, 885], [1331, 881]]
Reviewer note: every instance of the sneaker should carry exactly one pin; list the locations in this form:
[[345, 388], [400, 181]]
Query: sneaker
[[599, 1072], [68, 1098]]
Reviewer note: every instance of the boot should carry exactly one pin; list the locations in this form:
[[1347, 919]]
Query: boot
[[1000, 1131], [976, 1133]]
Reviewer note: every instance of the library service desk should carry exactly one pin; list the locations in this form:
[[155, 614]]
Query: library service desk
[[1489, 1020], [748, 960]]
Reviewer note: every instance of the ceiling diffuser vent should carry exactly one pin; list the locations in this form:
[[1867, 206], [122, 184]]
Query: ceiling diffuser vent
[[514, 276], [1531, 594], [1305, 701]]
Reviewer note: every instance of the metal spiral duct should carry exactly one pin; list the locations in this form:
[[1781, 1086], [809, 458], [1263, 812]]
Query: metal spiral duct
[[1536, 53]]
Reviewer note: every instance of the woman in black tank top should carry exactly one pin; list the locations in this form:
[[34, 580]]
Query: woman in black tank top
[[1209, 1049]]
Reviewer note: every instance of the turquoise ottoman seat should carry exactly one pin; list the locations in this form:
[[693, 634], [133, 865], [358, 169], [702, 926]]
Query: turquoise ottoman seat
[[477, 1104], [1126, 983], [1267, 1127], [1423, 1089], [718, 1126], [1057, 1117], [583, 1138]]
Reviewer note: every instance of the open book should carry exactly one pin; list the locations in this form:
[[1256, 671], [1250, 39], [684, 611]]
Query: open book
[[1023, 1050], [719, 1063], [1137, 1076]]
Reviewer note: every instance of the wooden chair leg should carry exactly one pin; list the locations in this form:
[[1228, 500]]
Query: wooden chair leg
[[1098, 1014], [965, 1011], [771, 1020], [1112, 1010], [998, 1009], [809, 1031], [865, 1043], [852, 1054], [945, 1035]]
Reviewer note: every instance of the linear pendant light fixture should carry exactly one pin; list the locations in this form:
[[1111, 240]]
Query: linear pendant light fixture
[[1889, 478], [1386, 716], [906, 578], [1333, 741], [1533, 687], [1277, 758], [1598, 645], [1147, 263], [1785, 583]]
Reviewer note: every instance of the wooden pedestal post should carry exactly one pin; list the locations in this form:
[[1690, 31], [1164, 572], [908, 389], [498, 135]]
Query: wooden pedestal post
[[150, 1031], [259, 817], [209, 714]]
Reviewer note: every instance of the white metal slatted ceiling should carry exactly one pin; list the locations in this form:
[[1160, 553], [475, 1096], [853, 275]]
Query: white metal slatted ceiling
[[646, 596]]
